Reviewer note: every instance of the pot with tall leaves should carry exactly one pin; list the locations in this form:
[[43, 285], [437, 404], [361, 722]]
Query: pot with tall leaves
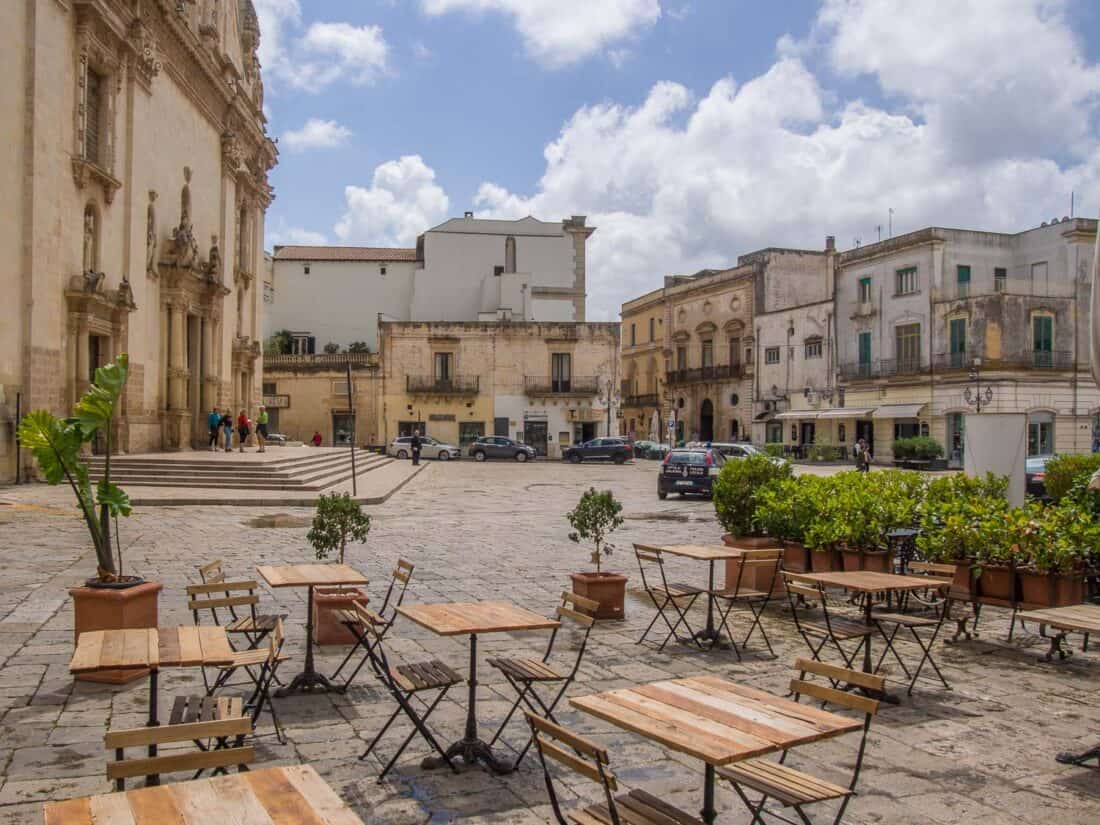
[[337, 520], [110, 600], [595, 517]]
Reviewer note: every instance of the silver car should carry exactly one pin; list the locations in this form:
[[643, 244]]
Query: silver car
[[429, 448]]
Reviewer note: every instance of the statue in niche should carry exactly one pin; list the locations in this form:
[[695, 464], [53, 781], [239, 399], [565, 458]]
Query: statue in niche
[[151, 236], [89, 241], [125, 294], [185, 250], [214, 264]]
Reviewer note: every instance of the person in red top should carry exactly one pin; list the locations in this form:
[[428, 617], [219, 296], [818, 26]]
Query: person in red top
[[242, 428], [316, 438]]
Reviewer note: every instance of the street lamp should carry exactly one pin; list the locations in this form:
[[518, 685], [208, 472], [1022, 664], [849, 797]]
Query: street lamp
[[977, 397]]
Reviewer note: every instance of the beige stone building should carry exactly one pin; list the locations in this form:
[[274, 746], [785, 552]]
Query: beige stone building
[[643, 366], [134, 161]]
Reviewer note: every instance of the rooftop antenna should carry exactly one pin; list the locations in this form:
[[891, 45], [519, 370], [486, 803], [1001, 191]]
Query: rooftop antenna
[[891, 221], [1071, 194], [857, 241], [879, 229]]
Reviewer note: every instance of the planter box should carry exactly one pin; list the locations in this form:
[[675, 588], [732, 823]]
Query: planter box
[[327, 628], [105, 609], [609, 589], [825, 561], [1051, 589], [796, 557], [755, 578], [997, 582]]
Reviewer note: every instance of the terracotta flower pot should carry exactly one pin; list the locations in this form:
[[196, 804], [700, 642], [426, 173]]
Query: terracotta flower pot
[[1051, 589], [852, 560], [997, 582], [796, 557], [750, 542], [327, 627], [825, 561], [609, 589], [878, 561], [755, 578], [114, 609]]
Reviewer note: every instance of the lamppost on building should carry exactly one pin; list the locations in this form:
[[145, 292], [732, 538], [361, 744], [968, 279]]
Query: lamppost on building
[[977, 397]]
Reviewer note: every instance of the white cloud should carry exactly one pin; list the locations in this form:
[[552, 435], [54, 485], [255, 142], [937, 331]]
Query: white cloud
[[316, 134], [421, 51], [402, 201], [559, 34], [282, 235]]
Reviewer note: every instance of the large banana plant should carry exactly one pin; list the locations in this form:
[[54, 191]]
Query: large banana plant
[[56, 444]]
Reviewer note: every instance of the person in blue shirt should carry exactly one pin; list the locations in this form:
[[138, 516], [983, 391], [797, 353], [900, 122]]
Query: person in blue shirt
[[213, 422]]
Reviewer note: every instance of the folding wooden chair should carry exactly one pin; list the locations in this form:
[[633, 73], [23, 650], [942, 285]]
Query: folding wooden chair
[[235, 594], [404, 682], [769, 561], [267, 659], [665, 595], [219, 721], [383, 619], [588, 759], [931, 619], [793, 788], [830, 628], [524, 674]]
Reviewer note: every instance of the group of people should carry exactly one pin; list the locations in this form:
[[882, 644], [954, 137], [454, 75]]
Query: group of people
[[221, 426]]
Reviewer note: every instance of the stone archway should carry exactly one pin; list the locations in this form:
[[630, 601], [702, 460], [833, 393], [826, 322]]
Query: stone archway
[[706, 420]]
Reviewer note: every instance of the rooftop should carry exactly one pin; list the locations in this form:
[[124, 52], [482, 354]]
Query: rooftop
[[483, 226], [343, 253]]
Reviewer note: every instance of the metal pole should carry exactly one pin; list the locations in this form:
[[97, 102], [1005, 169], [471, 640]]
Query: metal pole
[[351, 440], [18, 419]]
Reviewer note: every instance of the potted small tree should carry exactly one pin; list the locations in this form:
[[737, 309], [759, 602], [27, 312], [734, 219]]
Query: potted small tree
[[337, 520], [110, 600], [595, 517], [735, 494]]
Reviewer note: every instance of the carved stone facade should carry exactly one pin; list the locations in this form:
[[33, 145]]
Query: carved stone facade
[[134, 160]]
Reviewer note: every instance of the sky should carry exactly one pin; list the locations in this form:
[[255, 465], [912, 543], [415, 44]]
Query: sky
[[688, 131]]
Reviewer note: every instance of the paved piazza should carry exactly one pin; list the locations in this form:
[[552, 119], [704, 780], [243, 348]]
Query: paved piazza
[[983, 752]]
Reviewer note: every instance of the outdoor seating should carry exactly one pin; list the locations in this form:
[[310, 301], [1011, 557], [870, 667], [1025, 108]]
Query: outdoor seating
[[665, 595], [404, 682], [793, 788], [831, 627], [218, 721], [524, 674], [590, 761], [767, 561], [399, 583], [252, 625], [267, 660], [930, 618]]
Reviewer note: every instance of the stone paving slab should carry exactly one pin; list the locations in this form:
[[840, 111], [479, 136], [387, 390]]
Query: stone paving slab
[[982, 752]]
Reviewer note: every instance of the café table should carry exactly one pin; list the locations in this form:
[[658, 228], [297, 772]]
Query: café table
[[473, 619], [714, 720], [151, 648], [271, 795], [309, 576], [701, 552]]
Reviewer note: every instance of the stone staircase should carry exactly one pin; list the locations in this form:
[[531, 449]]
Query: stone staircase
[[307, 470]]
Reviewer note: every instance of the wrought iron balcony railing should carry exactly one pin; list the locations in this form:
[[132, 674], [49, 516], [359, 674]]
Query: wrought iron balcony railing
[[574, 385], [696, 375], [430, 385], [647, 400]]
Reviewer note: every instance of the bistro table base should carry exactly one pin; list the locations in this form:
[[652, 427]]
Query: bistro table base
[[471, 751], [1078, 759], [307, 682]]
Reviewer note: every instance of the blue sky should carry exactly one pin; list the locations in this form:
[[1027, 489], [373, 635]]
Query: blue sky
[[690, 131]]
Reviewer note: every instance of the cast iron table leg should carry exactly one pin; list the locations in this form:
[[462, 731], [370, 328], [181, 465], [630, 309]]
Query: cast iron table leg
[[154, 721], [309, 678], [708, 814], [885, 696], [709, 634], [470, 747], [1080, 758]]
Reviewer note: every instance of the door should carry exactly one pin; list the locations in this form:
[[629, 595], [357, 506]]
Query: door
[[956, 439], [535, 433], [864, 354], [866, 431], [343, 428], [500, 427], [706, 421], [809, 430], [957, 331], [1042, 327]]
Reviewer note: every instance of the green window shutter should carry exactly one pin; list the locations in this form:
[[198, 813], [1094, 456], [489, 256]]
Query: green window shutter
[[1043, 333], [958, 335], [865, 348], [963, 274]]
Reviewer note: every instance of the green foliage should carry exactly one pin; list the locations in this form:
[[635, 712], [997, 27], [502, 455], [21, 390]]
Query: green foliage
[[918, 447], [338, 518], [773, 450], [736, 488], [964, 518], [596, 516], [278, 344], [57, 443], [358, 346], [1064, 471], [783, 507]]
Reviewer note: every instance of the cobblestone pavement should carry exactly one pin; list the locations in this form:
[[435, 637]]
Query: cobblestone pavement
[[983, 752]]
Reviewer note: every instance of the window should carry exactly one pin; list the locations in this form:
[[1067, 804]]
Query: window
[[1040, 434], [865, 290], [708, 353], [771, 355], [561, 371], [962, 278], [469, 432], [1000, 279], [775, 432], [381, 270], [906, 281], [813, 348], [681, 358], [906, 428], [957, 334], [735, 351], [864, 344], [907, 349], [269, 388], [95, 87], [633, 335], [841, 433], [442, 367], [652, 329], [1042, 339], [305, 269]]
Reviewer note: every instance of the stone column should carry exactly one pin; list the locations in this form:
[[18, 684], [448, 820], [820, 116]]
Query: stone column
[[209, 381], [177, 358], [82, 357]]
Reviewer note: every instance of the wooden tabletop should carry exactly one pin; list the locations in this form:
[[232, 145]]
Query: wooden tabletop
[[151, 647], [261, 797], [865, 581], [1083, 617], [461, 618], [713, 719], [310, 575], [701, 552]]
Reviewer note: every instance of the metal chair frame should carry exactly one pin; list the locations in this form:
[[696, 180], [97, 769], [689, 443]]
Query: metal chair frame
[[759, 558], [939, 608], [653, 556], [260, 697], [401, 573], [797, 586]]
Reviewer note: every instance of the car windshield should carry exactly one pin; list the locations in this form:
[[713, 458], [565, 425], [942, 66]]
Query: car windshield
[[687, 457], [748, 449]]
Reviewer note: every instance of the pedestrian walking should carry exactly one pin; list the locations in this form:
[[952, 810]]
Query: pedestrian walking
[[213, 422], [863, 456], [261, 427], [414, 445], [242, 428], [227, 430]]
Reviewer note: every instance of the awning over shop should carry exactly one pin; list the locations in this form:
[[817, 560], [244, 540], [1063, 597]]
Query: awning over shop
[[767, 415], [898, 411], [798, 415], [846, 412]]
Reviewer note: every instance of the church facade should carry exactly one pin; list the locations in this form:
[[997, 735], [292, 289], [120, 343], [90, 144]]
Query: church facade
[[134, 164]]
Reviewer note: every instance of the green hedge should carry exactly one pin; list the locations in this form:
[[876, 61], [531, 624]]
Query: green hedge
[[1063, 471], [918, 447], [737, 486]]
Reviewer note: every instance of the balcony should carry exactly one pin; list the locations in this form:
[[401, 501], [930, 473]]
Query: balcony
[[647, 400], [430, 385], [575, 385], [697, 375], [862, 309], [882, 368], [1025, 360]]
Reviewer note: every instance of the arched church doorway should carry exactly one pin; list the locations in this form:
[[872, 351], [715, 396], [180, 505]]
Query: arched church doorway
[[706, 421]]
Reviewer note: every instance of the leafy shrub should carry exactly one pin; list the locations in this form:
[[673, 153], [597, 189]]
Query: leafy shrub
[[962, 518], [774, 450], [921, 448], [1064, 471], [338, 518], [594, 518], [736, 489]]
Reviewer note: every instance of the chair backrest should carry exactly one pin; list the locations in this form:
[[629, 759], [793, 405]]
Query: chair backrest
[[651, 559], [213, 596], [120, 769], [576, 753], [399, 582], [769, 561], [276, 642], [943, 572], [570, 609], [212, 572]]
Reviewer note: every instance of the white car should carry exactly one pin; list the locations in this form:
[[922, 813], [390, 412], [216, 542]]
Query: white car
[[429, 448], [742, 449]]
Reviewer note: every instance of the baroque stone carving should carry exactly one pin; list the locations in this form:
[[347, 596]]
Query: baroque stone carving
[[89, 241], [146, 60], [214, 263], [232, 152], [184, 249], [125, 296], [151, 236]]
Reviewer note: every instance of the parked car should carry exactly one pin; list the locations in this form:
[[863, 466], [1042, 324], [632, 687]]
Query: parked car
[[498, 446], [276, 438], [599, 449], [429, 448], [742, 449], [1035, 474], [642, 448], [689, 471]]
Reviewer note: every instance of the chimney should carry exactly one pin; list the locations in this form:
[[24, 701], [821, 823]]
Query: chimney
[[468, 215], [830, 243]]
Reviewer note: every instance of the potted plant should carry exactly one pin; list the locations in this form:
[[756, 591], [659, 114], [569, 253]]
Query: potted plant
[[1052, 573], [337, 520], [595, 517], [110, 600], [783, 512], [736, 499]]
